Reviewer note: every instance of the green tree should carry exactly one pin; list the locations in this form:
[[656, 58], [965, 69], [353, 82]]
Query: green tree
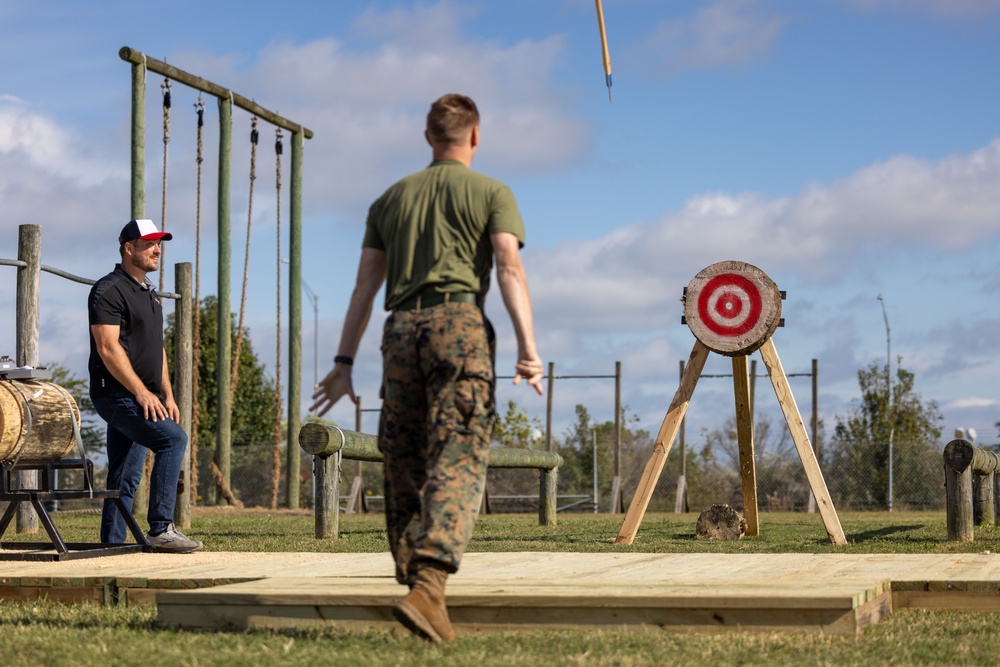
[[516, 429], [253, 406], [92, 427], [781, 481], [859, 451], [576, 476]]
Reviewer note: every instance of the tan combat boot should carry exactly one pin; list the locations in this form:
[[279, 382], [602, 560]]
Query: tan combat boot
[[423, 610]]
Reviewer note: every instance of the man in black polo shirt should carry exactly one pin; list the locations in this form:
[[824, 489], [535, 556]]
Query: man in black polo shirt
[[130, 389]]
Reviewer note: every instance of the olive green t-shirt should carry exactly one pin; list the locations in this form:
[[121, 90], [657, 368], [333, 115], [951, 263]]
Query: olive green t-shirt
[[435, 226]]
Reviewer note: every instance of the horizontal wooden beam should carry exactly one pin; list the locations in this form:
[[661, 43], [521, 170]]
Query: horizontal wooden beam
[[153, 65], [962, 454], [326, 440]]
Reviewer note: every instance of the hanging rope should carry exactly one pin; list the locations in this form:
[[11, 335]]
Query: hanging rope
[[199, 108], [165, 87], [276, 453], [246, 261]]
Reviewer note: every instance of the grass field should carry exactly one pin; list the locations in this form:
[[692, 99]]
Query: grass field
[[43, 633]]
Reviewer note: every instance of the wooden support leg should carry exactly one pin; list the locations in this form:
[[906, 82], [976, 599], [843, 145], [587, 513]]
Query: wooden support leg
[[744, 434], [326, 472], [661, 446], [801, 439]]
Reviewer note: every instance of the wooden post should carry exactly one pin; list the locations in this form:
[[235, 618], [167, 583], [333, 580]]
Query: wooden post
[[744, 436], [548, 406], [662, 444], [547, 484], [29, 251], [326, 471], [982, 495], [138, 185], [224, 340], [801, 439], [958, 492], [359, 471], [294, 323], [183, 383], [996, 499], [814, 426], [616, 501], [681, 498]]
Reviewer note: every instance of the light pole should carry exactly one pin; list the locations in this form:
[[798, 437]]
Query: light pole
[[888, 391], [314, 298]]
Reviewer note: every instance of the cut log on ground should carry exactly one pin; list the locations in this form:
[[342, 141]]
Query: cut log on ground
[[720, 522]]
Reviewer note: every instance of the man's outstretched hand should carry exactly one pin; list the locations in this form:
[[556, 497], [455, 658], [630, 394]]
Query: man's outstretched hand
[[332, 388], [530, 369]]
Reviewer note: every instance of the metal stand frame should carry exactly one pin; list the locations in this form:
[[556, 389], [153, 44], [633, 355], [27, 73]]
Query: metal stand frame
[[57, 549]]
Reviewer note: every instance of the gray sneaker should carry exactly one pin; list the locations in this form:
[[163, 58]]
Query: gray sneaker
[[172, 541]]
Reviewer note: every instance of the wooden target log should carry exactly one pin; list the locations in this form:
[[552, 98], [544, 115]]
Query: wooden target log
[[36, 421], [720, 522], [732, 307]]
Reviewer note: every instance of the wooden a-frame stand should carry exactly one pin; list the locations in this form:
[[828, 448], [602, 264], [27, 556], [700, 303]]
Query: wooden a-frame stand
[[744, 429]]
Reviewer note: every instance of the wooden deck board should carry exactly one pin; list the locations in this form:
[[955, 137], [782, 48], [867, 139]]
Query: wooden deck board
[[829, 593]]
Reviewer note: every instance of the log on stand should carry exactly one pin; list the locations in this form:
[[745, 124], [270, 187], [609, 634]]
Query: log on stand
[[39, 426]]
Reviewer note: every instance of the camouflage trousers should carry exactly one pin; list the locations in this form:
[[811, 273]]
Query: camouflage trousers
[[438, 412]]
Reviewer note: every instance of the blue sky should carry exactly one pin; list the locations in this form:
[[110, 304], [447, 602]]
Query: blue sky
[[848, 148]]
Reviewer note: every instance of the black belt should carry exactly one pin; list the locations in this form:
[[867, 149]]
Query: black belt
[[429, 299]]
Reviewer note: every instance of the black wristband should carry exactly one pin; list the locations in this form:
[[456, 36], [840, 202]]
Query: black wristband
[[343, 359]]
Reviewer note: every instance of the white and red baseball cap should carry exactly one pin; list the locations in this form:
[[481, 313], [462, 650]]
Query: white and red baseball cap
[[142, 229]]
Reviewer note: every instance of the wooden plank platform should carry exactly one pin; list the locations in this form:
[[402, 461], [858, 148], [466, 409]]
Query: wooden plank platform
[[828, 593]]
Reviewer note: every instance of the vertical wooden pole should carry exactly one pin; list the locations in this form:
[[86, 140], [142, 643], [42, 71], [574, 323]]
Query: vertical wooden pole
[[680, 497], [616, 502], [360, 505], [996, 500], [744, 436], [29, 251], [224, 340], [326, 472], [982, 489], [548, 406], [814, 425], [547, 484], [294, 323], [801, 439], [138, 189], [138, 210], [662, 444], [958, 496], [183, 383]]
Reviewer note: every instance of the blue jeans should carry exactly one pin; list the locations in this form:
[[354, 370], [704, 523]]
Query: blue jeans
[[130, 435]]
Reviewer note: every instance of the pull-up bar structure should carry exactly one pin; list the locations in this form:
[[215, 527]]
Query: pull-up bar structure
[[141, 64]]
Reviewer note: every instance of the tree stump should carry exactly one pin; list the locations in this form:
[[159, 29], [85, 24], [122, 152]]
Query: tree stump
[[720, 522]]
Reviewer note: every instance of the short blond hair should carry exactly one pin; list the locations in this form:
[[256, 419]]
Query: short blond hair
[[451, 118]]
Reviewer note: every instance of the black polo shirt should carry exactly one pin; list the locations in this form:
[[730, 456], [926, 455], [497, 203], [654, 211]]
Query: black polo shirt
[[118, 299]]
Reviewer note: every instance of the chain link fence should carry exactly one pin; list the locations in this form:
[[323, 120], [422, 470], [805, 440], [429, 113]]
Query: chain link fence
[[856, 474]]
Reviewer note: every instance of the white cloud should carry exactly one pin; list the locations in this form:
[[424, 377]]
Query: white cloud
[[367, 105], [723, 34], [39, 143], [974, 402], [631, 280]]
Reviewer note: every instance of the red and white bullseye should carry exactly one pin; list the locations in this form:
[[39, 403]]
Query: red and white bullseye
[[729, 305]]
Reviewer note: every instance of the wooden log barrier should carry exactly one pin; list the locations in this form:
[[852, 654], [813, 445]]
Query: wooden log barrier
[[964, 499], [329, 443]]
